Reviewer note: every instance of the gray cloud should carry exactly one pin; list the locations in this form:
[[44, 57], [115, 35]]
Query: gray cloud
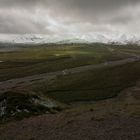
[[69, 16], [68, 3]]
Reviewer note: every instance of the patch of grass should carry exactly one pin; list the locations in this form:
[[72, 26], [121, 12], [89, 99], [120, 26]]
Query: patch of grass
[[41, 59], [91, 85]]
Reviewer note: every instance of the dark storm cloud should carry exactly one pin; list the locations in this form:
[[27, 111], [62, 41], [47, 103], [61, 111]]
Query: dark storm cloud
[[75, 3], [55, 16]]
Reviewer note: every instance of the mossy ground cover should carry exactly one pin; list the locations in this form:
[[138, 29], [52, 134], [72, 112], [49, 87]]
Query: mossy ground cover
[[41, 59], [91, 85]]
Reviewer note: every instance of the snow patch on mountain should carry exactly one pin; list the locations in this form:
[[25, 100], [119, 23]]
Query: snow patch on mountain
[[73, 38]]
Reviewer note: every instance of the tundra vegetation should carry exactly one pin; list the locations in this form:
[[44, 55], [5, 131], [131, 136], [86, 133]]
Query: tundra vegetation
[[100, 93]]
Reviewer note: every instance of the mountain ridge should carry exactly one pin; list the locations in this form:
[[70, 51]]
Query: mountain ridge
[[44, 39]]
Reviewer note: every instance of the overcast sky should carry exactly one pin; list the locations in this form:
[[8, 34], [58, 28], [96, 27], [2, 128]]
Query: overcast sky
[[69, 16]]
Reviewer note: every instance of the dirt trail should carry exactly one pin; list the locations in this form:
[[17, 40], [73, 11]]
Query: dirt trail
[[20, 82]]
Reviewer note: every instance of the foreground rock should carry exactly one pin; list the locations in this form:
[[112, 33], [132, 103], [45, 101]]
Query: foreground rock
[[19, 105]]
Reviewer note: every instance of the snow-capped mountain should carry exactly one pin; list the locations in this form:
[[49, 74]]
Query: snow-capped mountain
[[125, 39], [5, 38], [63, 39]]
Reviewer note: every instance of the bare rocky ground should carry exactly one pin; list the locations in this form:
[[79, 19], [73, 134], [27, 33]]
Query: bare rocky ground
[[112, 119]]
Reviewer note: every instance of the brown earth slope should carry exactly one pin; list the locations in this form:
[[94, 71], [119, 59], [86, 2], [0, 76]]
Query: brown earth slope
[[112, 119]]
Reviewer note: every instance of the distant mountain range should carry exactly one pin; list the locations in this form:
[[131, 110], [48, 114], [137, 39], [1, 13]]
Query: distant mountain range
[[90, 38]]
